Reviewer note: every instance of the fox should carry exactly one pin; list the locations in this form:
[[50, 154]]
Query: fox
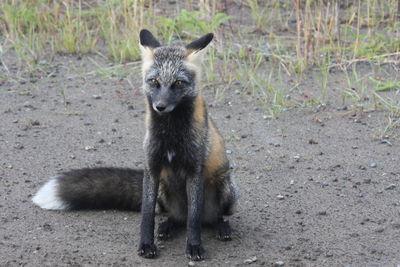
[[186, 173]]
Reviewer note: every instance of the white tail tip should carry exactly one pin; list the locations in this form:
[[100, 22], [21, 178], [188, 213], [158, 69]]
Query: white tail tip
[[47, 197]]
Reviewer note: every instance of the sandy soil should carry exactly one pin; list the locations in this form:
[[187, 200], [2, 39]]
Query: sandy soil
[[316, 188]]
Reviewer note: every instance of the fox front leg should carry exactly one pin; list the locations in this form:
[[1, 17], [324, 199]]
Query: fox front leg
[[195, 195], [147, 248]]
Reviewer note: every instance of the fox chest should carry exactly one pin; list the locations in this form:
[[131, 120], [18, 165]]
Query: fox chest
[[176, 151]]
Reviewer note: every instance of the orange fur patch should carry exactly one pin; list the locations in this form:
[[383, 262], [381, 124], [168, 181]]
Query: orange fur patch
[[199, 110], [216, 157]]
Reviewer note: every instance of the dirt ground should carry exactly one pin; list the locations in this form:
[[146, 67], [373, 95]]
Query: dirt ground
[[317, 189]]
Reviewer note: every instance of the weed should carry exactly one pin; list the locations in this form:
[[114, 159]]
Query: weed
[[389, 104], [385, 84], [356, 86], [192, 24]]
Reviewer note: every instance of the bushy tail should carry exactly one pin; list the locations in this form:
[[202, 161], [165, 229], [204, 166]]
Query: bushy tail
[[98, 188]]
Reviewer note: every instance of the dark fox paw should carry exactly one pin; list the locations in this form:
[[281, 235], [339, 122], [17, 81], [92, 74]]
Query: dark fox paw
[[224, 231], [195, 252], [147, 250], [166, 229]]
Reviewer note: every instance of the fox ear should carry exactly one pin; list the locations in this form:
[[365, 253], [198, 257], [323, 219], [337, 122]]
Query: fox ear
[[147, 44], [200, 43], [148, 40], [197, 45]]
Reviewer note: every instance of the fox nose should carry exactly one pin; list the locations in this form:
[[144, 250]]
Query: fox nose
[[160, 107]]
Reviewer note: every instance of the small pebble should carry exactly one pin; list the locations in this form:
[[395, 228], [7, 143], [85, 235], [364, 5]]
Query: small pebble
[[27, 104], [390, 187], [396, 225], [15, 121], [250, 260], [384, 141], [19, 146], [97, 96], [228, 151], [280, 197], [373, 165], [341, 108], [89, 148], [191, 263], [312, 142], [279, 263], [233, 166]]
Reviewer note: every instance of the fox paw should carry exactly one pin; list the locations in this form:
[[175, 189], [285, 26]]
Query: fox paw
[[195, 252], [224, 231], [147, 250]]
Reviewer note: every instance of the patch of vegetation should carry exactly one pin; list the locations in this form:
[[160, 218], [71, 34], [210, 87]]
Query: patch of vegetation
[[264, 49]]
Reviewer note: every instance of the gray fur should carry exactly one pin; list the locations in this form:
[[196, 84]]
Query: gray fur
[[169, 66]]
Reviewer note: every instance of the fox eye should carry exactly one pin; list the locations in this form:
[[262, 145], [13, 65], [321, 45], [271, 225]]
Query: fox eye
[[154, 82], [178, 83]]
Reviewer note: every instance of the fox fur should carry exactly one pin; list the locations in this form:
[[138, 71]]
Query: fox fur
[[186, 169]]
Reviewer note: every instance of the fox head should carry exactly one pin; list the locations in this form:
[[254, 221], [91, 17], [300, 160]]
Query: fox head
[[170, 74]]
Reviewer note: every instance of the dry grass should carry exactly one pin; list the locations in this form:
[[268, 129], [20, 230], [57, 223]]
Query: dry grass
[[293, 36]]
